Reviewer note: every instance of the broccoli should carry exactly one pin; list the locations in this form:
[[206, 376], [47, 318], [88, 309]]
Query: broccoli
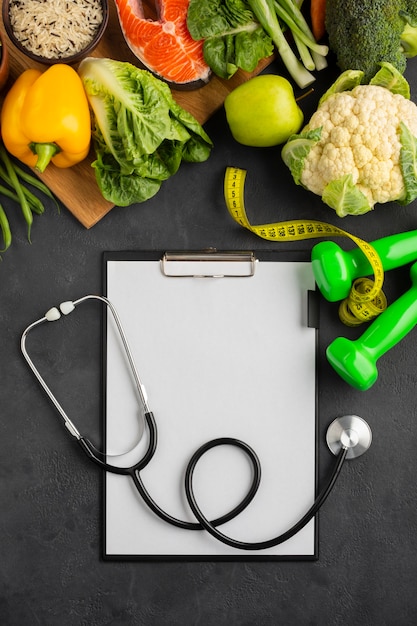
[[364, 33]]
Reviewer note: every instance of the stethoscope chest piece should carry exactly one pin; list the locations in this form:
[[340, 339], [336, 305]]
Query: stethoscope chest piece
[[349, 431]]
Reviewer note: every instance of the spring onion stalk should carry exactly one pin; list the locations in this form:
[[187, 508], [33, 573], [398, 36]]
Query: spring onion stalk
[[319, 58], [319, 61], [305, 54], [264, 11], [294, 19]]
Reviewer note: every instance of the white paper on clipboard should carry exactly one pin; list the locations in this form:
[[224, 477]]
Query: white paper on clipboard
[[219, 357]]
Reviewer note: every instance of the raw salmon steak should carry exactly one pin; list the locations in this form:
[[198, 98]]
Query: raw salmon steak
[[164, 45]]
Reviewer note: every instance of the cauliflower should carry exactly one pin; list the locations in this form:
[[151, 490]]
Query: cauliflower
[[359, 148]]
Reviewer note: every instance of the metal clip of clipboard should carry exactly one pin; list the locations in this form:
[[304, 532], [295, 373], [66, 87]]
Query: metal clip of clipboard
[[208, 264]]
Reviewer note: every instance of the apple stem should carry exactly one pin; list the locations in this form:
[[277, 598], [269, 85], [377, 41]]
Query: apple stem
[[305, 94]]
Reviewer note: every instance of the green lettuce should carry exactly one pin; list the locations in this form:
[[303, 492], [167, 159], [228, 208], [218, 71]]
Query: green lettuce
[[140, 134], [233, 38]]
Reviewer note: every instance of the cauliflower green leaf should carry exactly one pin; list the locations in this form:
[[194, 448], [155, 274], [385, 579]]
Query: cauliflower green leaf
[[345, 82], [408, 163], [390, 78], [296, 150], [345, 198]]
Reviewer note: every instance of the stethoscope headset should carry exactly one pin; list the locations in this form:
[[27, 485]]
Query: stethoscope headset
[[347, 437]]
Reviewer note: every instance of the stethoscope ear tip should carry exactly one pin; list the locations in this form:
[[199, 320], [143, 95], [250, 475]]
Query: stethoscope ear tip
[[351, 432], [52, 315], [67, 307]]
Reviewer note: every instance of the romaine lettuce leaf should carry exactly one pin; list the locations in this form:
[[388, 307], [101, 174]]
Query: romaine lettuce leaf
[[122, 189], [140, 134]]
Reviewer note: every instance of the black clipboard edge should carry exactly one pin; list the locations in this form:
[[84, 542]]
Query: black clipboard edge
[[313, 322]]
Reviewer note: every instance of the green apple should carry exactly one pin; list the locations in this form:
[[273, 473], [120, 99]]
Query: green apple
[[263, 111]]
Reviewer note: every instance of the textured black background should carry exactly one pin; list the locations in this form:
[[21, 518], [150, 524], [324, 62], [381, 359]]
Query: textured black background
[[51, 570]]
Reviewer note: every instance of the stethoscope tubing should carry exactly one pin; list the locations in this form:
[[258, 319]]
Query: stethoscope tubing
[[202, 523], [134, 472], [269, 543], [166, 517]]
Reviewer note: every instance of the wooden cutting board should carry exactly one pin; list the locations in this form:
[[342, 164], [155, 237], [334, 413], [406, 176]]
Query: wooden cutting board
[[76, 187]]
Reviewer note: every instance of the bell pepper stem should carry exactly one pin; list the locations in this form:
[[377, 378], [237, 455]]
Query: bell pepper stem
[[45, 152]]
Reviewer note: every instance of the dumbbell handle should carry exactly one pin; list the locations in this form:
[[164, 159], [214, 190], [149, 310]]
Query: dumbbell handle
[[335, 269], [355, 361]]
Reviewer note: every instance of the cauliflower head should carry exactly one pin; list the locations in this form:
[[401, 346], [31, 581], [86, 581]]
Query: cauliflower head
[[358, 149]]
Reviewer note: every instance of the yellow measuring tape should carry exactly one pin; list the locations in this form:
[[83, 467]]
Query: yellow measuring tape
[[366, 299]]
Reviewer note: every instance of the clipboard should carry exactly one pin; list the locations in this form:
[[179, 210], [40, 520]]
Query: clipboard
[[225, 344]]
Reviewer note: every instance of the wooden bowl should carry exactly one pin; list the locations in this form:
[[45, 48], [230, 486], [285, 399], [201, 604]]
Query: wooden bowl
[[4, 61], [70, 59]]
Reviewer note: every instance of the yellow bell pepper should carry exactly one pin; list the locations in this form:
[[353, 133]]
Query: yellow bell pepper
[[45, 117]]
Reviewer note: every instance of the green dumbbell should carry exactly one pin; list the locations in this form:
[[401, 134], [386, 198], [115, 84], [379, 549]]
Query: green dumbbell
[[335, 270], [355, 361]]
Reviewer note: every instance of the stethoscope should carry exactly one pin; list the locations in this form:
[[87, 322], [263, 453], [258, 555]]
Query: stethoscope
[[347, 437]]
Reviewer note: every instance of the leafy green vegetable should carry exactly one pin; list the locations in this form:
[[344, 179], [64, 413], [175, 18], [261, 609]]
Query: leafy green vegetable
[[238, 34], [218, 16], [233, 37], [140, 134]]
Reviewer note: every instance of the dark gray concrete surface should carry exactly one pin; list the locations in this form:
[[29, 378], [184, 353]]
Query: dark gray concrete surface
[[51, 571]]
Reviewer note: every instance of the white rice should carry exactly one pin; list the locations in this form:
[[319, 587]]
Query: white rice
[[55, 29]]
